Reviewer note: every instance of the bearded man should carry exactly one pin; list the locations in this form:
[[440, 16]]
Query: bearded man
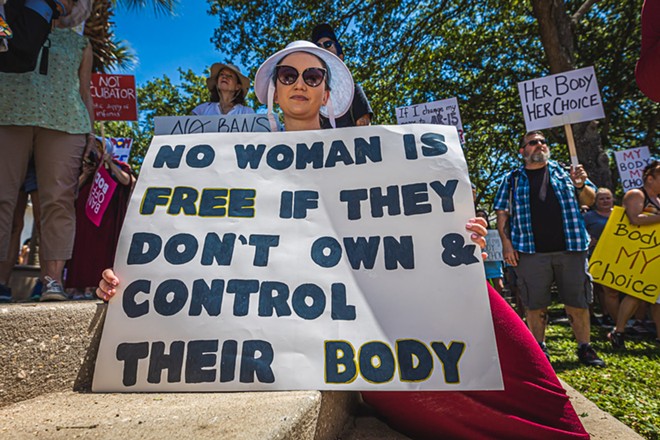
[[545, 240]]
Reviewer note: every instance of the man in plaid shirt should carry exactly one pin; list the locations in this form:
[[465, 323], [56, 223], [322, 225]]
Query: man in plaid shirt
[[544, 238]]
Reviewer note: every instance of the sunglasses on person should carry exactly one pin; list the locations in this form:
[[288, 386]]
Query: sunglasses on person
[[312, 76], [327, 44], [535, 142]]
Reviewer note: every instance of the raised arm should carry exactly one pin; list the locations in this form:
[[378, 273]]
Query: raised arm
[[633, 202]]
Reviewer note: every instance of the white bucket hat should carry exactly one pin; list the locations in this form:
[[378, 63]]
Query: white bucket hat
[[341, 81]]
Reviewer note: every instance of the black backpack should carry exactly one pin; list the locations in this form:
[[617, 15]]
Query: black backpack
[[31, 30]]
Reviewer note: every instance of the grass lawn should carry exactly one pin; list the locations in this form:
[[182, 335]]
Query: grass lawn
[[628, 388]]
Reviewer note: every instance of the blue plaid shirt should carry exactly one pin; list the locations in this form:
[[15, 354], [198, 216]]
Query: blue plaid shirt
[[577, 238]]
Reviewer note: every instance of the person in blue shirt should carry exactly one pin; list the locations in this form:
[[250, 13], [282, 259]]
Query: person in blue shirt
[[545, 240], [493, 268]]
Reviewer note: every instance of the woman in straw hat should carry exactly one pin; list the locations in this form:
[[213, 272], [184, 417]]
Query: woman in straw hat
[[228, 88], [49, 117], [307, 81]]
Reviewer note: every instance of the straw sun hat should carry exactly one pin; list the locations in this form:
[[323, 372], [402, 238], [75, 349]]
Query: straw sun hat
[[212, 80]]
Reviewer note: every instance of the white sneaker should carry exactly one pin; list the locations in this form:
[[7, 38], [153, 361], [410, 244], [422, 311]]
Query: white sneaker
[[54, 291]]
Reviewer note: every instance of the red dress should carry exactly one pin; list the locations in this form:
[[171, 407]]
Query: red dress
[[647, 71], [94, 246], [533, 404]]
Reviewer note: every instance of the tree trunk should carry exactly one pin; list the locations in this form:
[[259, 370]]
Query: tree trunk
[[557, 37]]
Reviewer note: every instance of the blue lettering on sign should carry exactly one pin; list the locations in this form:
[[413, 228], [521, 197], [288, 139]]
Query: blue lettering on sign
[[362, 251], [199, 156], [200, 359], [182, 248], [281, 156], [414, 198], [375, 361], [171, 297], [213, 202]]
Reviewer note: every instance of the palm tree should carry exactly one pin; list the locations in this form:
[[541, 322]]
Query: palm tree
[[108, 52]]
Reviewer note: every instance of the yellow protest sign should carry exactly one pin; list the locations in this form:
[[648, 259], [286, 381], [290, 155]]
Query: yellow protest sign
[[627, 257]]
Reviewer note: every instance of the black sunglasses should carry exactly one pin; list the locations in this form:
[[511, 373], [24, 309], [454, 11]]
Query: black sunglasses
[[313, 76], [326, 44], [534, 142]]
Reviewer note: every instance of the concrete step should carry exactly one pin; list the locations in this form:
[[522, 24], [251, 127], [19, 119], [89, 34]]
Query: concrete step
[[240, 416], [47, 355]]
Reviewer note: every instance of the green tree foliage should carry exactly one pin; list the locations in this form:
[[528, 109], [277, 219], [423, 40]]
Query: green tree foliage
[[406, 52]]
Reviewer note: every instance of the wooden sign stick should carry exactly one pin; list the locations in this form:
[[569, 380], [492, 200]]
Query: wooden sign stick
[[571, 146]]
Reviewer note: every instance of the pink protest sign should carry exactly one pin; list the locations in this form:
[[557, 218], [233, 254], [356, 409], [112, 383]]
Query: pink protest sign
[[99, 195]]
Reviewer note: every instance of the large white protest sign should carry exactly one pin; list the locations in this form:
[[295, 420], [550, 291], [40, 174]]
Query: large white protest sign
[[325, 259], [444, 112], [564, 98], [164, 125], [494, 246], [631, 163]]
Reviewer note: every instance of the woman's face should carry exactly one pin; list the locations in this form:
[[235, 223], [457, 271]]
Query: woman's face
[[228, 81], [653, 180], [604, 201], [298, 100]]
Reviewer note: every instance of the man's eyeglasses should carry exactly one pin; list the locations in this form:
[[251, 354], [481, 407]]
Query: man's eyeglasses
[[327, 44], [535, 142], [312, 76]]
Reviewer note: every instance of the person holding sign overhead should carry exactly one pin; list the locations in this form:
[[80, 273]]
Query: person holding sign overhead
[[642, 207], [544, 238], [228, 88], [307, 81]]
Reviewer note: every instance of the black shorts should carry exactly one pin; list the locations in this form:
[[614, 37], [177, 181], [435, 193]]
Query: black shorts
[[537, 272]]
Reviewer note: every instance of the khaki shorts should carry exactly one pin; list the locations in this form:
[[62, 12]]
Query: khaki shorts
[[537, 272]]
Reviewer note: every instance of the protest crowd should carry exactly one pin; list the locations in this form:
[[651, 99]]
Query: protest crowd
[[549, 219]]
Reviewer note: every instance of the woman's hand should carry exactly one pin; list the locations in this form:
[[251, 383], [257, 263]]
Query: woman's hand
[[478, 227], [88, 168], [90, 144], [107, 285]]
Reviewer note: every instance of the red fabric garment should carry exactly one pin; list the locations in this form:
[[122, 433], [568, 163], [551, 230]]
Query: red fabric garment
[[647, 71], [533, 404], [94, 247]]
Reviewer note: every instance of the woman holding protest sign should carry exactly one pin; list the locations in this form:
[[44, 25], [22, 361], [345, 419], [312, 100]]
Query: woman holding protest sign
[[228, 88], [105, 187], [642, 207], [307, 81], [48, 115], [595, 221]]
